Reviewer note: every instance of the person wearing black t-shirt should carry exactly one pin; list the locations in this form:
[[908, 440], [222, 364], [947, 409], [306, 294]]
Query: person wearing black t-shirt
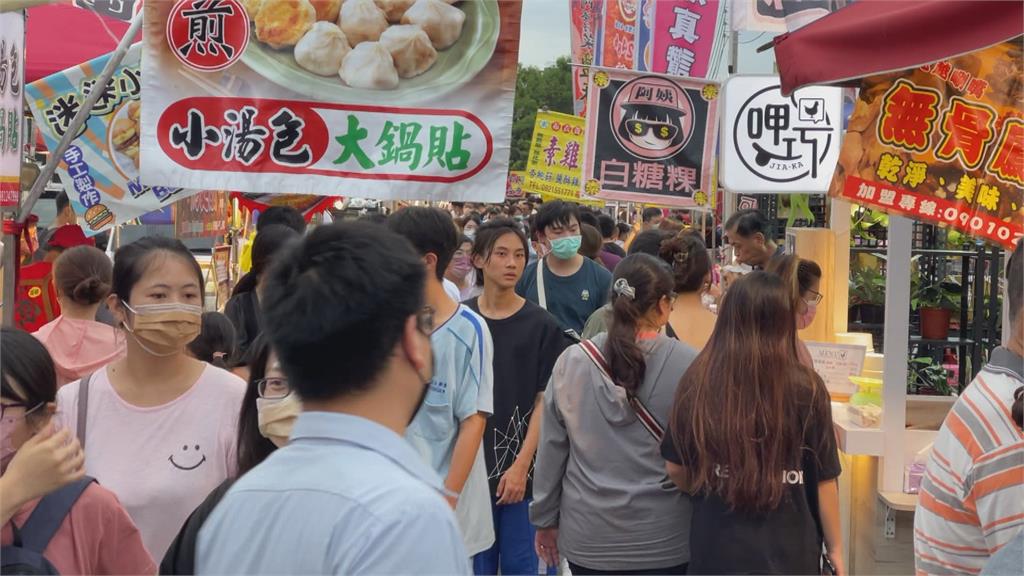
[[527, 342], [752, 443]]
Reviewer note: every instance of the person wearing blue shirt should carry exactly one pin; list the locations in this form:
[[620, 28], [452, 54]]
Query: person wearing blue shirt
[[345, 314], [570, 286], [449, 429]]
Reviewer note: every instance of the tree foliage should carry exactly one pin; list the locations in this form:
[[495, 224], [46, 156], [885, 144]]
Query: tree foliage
[[537, 88]]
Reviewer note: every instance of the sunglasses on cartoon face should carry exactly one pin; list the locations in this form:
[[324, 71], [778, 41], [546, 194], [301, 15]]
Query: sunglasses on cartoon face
[[662, 130]]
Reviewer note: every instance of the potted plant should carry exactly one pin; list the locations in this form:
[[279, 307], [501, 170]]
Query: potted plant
[[936, 302], [867, 295], [868, 226], [927, 377]]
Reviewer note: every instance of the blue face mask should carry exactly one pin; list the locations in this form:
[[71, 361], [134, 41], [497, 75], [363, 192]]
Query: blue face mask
[[567, 247]]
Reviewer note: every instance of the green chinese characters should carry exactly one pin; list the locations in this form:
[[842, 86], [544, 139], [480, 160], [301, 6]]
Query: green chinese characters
[[8, 130], [414, 145]]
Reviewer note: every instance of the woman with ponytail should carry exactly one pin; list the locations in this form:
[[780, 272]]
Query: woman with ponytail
[[598, 466], [216, 342], [690, 320]]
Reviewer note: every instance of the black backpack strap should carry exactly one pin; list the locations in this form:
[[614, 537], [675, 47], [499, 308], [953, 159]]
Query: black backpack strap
[[83, 408], [49, 514]]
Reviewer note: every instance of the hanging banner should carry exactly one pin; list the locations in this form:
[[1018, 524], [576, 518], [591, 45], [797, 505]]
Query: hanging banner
[[772, 143], [12, 75], [204, 215], [586, 20], [644, 30], [514, 190], [421, 111], [780, 15], [118, 9], [307, 204], [650, 138], [686, 38], [942, 144], [619, 34], [100, 169], [553, 167]]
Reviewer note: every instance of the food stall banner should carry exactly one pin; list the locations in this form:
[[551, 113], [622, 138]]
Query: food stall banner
[[118, 9], [772, 143], [586, 18], [553, 168], [943, 143], [12, 74], [689, 38], [650, 138], [779, 15], [514, 190], [222, 273], [281, 100], [644, 31], [618, 34], [307, 204], [100, 169], [204, 215]]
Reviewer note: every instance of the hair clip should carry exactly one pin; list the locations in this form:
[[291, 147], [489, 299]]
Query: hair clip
[[220, 355], [681, 257], [622, 288]]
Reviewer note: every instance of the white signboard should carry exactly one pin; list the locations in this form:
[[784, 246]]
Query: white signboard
[[772, 143], [835, 363], [12, 60]]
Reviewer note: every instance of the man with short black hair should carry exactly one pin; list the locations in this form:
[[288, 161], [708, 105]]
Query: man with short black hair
[[562, 281], [449, 429], [652, 218], [610, 233], [971, 501], [749, 232], [348, 495], [283, 215]]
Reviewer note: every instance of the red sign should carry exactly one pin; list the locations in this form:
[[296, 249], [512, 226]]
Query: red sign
[[208, 35]]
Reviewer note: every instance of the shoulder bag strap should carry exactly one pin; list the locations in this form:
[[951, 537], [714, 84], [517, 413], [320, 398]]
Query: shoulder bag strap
[[642, 413], [83, 408], [49, 514], [541, 296]]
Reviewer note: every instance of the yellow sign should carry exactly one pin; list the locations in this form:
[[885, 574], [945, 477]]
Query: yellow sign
[[554, 167]]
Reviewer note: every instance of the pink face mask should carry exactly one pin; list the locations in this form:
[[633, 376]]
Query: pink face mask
[[461, 266], [807, 318], [7, 425]]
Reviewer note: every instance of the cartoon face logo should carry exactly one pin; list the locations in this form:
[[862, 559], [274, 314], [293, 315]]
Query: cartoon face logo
[[189, 459], [652, 117]]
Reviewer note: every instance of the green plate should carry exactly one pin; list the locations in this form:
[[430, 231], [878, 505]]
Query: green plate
[[455, 65]]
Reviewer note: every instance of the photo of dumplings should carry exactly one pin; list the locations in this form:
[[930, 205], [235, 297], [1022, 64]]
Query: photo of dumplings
[[362, 21], [410, 48], [369, 65], [282, 23], [352, 48], [322, 49], [441, 21]]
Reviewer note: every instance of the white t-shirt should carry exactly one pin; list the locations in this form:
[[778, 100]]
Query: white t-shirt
[[160, 461]]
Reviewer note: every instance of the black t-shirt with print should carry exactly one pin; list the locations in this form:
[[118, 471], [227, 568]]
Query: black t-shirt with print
[[784, 541], [526, 346]]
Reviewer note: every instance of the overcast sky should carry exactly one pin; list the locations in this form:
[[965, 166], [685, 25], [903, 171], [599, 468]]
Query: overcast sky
[[545, 32]]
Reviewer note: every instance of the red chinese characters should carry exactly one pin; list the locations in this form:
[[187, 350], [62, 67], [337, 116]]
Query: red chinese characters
[[908, 116], [1007, 162], [967, 130]]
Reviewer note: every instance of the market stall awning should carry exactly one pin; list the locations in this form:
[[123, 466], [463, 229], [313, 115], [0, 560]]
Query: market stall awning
[[876, 36], [61, 36]]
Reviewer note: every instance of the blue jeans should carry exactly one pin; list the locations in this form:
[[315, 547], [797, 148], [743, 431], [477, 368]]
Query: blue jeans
[[513, 547]]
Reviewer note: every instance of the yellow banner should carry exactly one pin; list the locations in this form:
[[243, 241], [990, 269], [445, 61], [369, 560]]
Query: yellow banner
[[554, 167]]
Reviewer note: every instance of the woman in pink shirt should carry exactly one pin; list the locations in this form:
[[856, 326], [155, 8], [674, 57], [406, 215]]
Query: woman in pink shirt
[[78, 344], [96, 536]]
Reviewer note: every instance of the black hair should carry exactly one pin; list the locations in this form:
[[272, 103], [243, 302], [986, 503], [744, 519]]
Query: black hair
[[216, 342], [430, 230], [556, 213], [281, 216], [589, 218], [748, 222], [268, 243], [62, 201], [590, 242], [650, 280], [83, 274], [623, 230], [655, 114], [649, 242], [471, 217], [252, 447], [341, 297], [606, 224], [373, 218], [688, 257], [28, 367], [488, 234], [651, 213], [132, 260], [463, 239]]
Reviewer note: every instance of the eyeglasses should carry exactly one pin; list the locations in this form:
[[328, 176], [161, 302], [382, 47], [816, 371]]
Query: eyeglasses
[[5, 407], [661, 130], [273, 388], [815, 298], [425, 320]]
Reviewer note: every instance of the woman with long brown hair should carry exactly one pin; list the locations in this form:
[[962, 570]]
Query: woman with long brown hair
[[803, 279], [751, 441], [598, 467]]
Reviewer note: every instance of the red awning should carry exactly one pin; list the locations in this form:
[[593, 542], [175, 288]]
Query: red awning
[[58, 37], [877, 36]]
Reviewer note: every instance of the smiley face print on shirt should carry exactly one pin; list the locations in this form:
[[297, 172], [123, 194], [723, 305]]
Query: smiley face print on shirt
[[189, 458]]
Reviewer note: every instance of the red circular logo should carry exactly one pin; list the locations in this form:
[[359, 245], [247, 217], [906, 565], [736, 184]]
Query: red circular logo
[[208, 35]]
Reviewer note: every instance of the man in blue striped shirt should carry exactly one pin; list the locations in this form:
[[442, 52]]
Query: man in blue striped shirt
[[345, 314]]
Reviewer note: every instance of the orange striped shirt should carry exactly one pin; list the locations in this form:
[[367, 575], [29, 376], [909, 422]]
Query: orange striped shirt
[[972, 494]]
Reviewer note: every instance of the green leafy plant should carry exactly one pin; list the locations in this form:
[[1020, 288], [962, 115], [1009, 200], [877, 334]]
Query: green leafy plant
[[865, 222], [926, 376], [867, 286], [942, 294]]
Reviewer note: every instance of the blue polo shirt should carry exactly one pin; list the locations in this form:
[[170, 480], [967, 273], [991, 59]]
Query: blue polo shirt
[[345, 496]]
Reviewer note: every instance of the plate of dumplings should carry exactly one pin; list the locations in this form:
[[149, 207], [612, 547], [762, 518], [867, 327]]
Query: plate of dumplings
[[364, 50]]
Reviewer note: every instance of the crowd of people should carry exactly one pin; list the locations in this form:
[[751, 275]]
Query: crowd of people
[[474, 390]]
